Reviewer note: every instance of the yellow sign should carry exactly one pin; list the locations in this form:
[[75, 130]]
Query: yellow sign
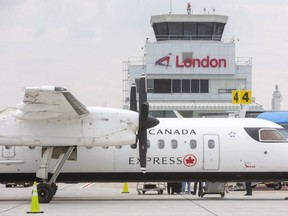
[[241, 97]]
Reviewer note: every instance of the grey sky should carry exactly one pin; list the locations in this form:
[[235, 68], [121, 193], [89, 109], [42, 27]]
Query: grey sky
[[81, 44]]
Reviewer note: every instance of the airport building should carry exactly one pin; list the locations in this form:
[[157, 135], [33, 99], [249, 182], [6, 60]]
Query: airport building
[[191, 68]]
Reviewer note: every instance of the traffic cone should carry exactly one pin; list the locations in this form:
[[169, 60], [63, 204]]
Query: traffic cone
[[35, 207], [125, 188]]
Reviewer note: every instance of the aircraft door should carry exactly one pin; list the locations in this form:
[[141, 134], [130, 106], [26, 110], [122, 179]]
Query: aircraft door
[[211, 152]]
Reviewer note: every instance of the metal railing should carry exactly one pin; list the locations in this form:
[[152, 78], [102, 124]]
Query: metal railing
[[223, 39]]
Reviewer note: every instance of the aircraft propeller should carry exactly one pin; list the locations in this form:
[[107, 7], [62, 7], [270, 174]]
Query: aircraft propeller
[[145, 121]]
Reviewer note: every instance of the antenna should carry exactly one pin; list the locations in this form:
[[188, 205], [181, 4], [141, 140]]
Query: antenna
[[204, 9], [213, 9], [170, 7]]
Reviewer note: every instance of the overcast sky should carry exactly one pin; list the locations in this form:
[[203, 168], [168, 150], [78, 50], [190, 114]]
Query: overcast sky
[[81, 44]]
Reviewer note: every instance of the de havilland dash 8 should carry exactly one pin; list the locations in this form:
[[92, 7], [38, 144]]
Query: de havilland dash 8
[[51, 137]]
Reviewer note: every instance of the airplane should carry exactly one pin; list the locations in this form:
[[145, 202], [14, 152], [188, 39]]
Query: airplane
[[52, 120], [186, 149]]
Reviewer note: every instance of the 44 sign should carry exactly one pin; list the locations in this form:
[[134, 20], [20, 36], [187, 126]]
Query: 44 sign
[[241, 97]]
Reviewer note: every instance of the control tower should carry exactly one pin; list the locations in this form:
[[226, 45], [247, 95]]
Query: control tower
[[191, 68]]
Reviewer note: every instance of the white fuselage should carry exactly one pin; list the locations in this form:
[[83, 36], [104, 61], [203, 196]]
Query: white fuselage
[[194, 149]]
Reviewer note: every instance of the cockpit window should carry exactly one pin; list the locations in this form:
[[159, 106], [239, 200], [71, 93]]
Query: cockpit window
[[270, 135], [265, 134], [284, 132]]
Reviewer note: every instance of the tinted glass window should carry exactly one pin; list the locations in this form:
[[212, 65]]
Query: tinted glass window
[[161, 144], [190, 30], [218, 31], [163, 114], [148, 144], [270, 135], [174, 144], [162, 86], [284, 132], [175, 29], [193, 144], [150, 83], [176, 86], [211, 144], [204, 86], [265, 135], [194, 86], [161, 30], [205, 30], [185, 86]]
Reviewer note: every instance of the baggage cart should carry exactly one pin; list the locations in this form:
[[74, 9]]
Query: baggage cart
[[212, 188], [143, 187]]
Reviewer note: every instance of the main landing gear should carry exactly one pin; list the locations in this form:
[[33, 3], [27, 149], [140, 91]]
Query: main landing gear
[[46, 192], [47, 189]]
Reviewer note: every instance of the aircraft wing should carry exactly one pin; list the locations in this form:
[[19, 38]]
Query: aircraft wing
[[47, 102]]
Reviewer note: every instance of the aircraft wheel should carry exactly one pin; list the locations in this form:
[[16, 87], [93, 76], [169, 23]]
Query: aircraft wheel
[[45, 192], [277, 186]]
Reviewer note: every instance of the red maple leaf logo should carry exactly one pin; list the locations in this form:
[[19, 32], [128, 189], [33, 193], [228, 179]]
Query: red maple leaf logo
[[190, 160]]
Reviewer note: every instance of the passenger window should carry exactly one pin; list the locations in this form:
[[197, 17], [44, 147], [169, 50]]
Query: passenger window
[[193, 144], [161, 144], [174, 144], [270, 135], [211, 144], [148, 144]]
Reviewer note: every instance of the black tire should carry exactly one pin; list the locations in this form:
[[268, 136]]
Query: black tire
[[54, 188], [277, 186], [45, 193]]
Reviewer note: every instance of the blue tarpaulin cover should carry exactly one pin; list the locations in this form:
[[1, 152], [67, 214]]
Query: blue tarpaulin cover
[[277, 117]]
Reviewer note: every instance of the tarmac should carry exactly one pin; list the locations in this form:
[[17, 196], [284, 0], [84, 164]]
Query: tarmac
[[107, 199]]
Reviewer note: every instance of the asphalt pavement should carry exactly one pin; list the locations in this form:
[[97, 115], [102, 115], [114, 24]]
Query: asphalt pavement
[[107, 199]]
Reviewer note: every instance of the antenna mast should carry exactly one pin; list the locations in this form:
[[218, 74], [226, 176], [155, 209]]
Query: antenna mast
[[170, 7]]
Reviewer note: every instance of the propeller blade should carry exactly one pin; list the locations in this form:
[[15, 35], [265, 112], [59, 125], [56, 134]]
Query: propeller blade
[[142, 90], [145, 122], [133, 100], [143, 115], [142, 136]]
